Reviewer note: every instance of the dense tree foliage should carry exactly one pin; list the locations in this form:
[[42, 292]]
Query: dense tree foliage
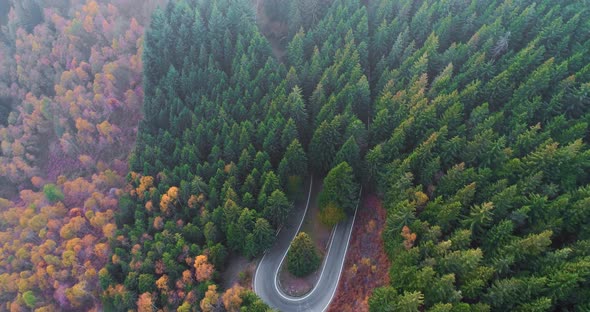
[[468, 118], [217, 150], [340, 194], [221, 151], [480, 131], [70, 102], [477, 126], [303, 257]]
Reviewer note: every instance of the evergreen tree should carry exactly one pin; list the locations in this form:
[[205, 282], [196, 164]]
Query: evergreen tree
[[322, 148], [303, 257], [350, 153], [260, 239], [294, 162], [340, 189], [295, 50], [278, 208], [469, 119]]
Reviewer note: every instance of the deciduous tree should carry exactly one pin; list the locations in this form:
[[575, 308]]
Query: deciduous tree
[[203, 269]]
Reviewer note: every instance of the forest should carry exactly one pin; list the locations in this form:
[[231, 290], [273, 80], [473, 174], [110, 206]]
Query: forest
[[70, 102], [147, 144]]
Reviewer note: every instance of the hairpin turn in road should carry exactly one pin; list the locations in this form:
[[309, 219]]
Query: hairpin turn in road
[[319, 298]]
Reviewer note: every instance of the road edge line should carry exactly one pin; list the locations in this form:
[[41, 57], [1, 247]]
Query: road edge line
[[299, 228], [287, 251], [345, 251]]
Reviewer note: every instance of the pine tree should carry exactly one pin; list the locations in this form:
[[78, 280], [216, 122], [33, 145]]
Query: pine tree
[[323, 147], [295, 50], [340, 189], [260, 239], [303, 257], [350, 153], [278, 208], [294, 162]]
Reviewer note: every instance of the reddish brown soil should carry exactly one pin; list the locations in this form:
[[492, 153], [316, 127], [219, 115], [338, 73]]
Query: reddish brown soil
[[366, 265]]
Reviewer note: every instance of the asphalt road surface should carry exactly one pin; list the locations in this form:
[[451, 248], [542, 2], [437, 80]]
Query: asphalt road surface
[[265, 279]]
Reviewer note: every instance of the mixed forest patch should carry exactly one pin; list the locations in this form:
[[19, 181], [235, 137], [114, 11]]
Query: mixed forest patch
[[69, 71], [221, 151], [469, 119]]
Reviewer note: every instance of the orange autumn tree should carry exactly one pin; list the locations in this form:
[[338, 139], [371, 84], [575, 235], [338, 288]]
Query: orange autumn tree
[[203, 269], [187, 277], [409, 237], [145, 303]]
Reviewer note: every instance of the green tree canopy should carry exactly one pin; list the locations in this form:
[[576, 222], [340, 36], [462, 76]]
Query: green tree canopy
[[303, 257], [278, 208], [340, 189]]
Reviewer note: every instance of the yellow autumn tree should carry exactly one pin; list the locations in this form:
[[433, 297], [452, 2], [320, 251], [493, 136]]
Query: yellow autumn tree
[[332, 215], [109, 230], [162, 283], [232, 298], [169, 200], [78, 296], [145, 184], [211, 298]]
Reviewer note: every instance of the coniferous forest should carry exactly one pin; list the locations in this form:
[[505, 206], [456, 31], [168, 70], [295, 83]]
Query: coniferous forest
[[147, 145]]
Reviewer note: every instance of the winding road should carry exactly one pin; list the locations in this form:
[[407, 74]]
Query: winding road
[[265, 278]]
